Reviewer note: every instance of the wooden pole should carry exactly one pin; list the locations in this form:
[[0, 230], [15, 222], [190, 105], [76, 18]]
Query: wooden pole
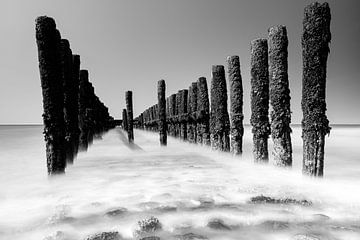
[[162, 112], [260, 99], [219, 116], [315, 49], [236, 105], [48, 43], [129, 110], [280, 96]]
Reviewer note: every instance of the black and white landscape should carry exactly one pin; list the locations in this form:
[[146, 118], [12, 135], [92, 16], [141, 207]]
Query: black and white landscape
[[171, 119]]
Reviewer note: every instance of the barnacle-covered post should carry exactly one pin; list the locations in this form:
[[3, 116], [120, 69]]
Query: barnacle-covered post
[[70, 99], [48, 43], [177, 114], [236, 105], [183, 114], [129, 110], [124, 120], [162, 126], [203, 112], [172, 110], [315, 49], [191, 109], [219, 117], [83, 100], [260, 99], [280, 95], [76, 84]]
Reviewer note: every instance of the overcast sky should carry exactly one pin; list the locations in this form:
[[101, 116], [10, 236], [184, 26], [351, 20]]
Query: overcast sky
[[131, 44]]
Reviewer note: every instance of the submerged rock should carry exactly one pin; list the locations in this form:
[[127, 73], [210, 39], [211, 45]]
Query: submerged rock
[[116, 212], [105, 236], [190, 236], [265, 199], [305, 237], [166, 209], [274, 225], [147, 227], [218, 224]]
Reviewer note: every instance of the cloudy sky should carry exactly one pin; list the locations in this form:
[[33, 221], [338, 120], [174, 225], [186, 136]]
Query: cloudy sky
[[130, 44]]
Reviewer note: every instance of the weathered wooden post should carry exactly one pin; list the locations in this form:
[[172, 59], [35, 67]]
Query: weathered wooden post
[[124, 120], [162, 113], [177, 114], [236, 105], [203, 112], [70, 99], [83, 98], [191, 110], [129, 110], [141, 118], [219, 116], [182, 114], [76, 82], [280, 95], [260, 99], [172, 109], [315, 48], [48, 43]]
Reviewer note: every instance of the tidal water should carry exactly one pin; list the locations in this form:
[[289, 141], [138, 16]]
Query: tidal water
[[189, 188]]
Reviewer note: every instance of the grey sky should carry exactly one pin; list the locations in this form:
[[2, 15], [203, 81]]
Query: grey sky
[[130, 44]]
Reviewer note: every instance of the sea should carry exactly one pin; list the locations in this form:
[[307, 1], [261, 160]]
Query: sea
[[194, 192]]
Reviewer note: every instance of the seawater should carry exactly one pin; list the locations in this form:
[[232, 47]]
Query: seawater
[[114, 185]]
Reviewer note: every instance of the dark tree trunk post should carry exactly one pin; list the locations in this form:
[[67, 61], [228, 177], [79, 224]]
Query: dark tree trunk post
[[219, 117], [172, 114], [191, 110], [124, 120], [162, 112], [83, 98], [177, 113], [141, 118], [182, 114], [280, 96], [260, 99], [315, 48], [236, 105], [48, 43], [70, 109], [129, 110], [76, 83], [203, 112]]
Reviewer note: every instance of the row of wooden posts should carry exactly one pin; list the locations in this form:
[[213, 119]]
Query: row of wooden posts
[[73, 114], [189, 115]]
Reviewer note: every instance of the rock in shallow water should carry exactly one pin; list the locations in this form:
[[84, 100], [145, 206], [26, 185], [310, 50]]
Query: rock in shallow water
[[274, 225], [218, 224], [150, 238], [305, 237], [190, 236], [146, 228], [265, 199], [105, 236], [116, 212]]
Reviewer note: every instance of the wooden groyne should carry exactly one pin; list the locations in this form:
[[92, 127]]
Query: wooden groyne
[[72, 113], [193, 116]]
